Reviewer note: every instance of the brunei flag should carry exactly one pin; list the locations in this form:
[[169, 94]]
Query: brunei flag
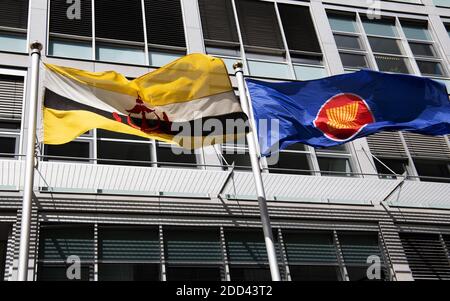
[[190, 102]]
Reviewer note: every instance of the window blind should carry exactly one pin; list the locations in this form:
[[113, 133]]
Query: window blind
[[14, 13], [129, 244], [247, 247], [426, 256], [119, 20], [218, 21], [58, 243], [259, 24], [387, 145], [11, 97], [60, 23], [188, 245], [165, 22], [358, 247], [431, 147], [299, 28], [310, 248]]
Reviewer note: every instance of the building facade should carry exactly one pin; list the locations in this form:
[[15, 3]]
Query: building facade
[[126, 208]]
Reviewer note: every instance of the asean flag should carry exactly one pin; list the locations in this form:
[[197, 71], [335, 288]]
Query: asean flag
[[334, 110]]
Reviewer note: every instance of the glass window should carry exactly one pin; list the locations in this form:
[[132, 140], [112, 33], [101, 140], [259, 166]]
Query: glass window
[[396, 165], [240, 158], [259, 25], [14, 21], [164, 21], [357, 248], [124, 152], [57, 243], [250, 273], [353, 60], [266, 69], [348, 42], [334, 166], [342, 23], [436, 171], [128, 272], [193, 254], [391, 64], [171, 154], [8, 146], [159, 58], [13, 42], [75, 150], [444, 3], [129, 254], [383, 27], [309, 73], [314, 273], [416, 31], [58, 272], [430, 68], [193, 273], [70, 48], [120, 54], [311, 256], [384, 45], [421, 49], [291, 163]]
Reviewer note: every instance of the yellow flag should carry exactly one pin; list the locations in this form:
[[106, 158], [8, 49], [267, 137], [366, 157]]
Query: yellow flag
[[171, 104]]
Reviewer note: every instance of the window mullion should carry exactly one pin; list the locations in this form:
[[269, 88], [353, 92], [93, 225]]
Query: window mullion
[[94, 50], [406, 48], [96, 252], [340, 256], [223, 245], [371, 57], [144, 20], [163, 274], [241, 42], [285, 43]]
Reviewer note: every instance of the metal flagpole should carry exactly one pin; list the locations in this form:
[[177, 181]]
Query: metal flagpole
[[25, 225], [254, 157]]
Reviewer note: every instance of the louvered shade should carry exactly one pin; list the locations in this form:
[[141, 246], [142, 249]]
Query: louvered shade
[[358, 247], [259, 24], [58, 243], [60, 23], [129, 244], [218, 21], [310, 248], [387, 145], [165, 22], [11, 97], [119, 20], [190, 245], [247, 247], [14, 13], [299, 28], [426, 256], [427, 147]]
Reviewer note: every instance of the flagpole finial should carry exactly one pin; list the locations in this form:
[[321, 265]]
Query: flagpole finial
[[237, 65], [36, 45]]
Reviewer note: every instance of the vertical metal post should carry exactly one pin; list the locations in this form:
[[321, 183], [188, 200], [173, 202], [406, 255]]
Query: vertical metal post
[[25, 224], [254, 158]]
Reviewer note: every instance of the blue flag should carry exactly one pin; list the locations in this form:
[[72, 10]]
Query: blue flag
[[335, 110]]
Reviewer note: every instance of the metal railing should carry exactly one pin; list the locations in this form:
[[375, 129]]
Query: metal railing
[[276, 170]]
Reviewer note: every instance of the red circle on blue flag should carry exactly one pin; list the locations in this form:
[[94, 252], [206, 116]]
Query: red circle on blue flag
[[343, 116]]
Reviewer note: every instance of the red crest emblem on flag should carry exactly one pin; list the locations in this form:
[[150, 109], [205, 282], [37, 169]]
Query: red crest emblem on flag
[[343, 116]]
